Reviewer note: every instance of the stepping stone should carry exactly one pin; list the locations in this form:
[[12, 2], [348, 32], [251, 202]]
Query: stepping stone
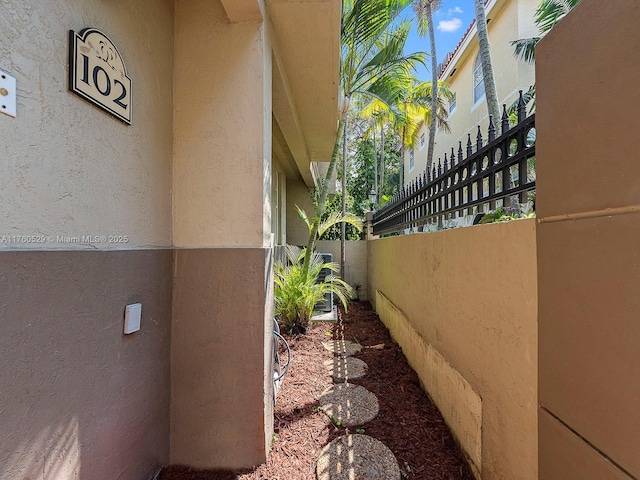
[[345, 369], [351, 405], [344, 348], [357, 457]]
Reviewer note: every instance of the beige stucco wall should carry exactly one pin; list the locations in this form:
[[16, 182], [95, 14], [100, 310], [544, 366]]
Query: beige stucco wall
[[297, 194], [588, 257], [510, 21], [222, 129], [69, 168], [470, 297], [356, 262]]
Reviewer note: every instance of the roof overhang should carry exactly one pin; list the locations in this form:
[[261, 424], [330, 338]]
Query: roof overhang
[[306, 64], [470, 39]]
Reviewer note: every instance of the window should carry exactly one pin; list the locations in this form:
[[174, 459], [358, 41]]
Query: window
[[411, 159], [452, 104], [478, 81], [422, 140]]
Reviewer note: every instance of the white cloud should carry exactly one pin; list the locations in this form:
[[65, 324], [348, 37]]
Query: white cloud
[[450, 25], [454, 10]]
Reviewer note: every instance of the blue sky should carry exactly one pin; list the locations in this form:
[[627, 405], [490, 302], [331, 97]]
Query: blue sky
[[451, 20]]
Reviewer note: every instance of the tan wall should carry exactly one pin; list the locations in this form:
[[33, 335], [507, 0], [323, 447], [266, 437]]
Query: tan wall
[[470, 297], [588, 257], [297, 194], [69, 168], [511, 20], [218, 393], [221, 385], [79, 400], [356, 262], [222, 129]]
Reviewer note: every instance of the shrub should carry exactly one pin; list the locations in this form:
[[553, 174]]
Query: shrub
[[296, 294]]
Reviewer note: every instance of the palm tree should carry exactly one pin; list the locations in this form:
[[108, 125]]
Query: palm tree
[[373, 64], [485, 57], [424, 11], [414, 108]]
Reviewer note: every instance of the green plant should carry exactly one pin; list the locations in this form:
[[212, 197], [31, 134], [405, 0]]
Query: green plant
[[296, 294]]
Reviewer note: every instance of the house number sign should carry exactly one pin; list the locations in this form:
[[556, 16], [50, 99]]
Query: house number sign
[[97, 73]]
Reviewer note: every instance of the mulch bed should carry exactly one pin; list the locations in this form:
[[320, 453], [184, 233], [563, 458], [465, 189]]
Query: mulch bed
[[408, 422]]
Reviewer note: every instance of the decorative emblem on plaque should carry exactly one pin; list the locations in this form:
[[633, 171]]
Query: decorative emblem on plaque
[[97, 73]]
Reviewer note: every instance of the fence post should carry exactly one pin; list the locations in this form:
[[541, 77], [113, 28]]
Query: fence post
[[369, 226]]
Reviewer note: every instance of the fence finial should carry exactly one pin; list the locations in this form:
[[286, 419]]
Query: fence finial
[[479, 139], [424, 177], [505, 118], [459, 151], [522, 109], [433, 173], [492, 129], [439, 167], [445, 164], [469, 146], [452, 159]]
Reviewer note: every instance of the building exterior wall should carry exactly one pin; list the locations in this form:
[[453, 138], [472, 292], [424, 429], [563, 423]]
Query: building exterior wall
[[588, 203], [510, 20], [463, 305], [213, 167], [217, 365], [221, 410], [356, 264], [69, 168], [79, 399], [298, 194]]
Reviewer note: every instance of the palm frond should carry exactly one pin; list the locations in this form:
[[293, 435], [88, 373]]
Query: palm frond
[[525, 49]]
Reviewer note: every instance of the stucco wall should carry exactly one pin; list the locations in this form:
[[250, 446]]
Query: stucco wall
[[356, 255], [588, 257], [297, 194], [79, 400], [221, 384], [69, 168], [470, 299], [222, 129]]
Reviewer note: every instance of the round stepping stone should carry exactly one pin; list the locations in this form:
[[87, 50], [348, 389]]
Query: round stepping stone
[[356, 457], [351, 405], [345, 369], [344, 348]]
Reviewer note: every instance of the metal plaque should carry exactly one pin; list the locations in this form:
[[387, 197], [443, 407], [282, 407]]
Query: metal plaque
[[97, 73]]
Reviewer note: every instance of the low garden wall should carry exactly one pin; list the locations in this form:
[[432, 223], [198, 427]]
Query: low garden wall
[[462, 304]]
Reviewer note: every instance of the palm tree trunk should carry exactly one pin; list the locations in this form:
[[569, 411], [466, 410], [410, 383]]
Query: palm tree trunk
[[343, 235], [434, 87], [404, 154], [487, 67], [375, 165], [321, 202], [381, 160]]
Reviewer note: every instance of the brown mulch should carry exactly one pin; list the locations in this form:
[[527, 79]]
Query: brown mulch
[[408, 422]]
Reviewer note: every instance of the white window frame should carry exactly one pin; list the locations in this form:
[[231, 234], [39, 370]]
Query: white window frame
[[412, 159], [453, 104], [478, 79], [422, 140]]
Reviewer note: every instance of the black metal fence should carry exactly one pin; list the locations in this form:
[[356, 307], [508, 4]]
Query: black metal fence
[[498, 174]]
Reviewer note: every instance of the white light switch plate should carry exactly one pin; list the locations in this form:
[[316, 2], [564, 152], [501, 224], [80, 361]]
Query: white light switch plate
[[7, 94], [132, 314]]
